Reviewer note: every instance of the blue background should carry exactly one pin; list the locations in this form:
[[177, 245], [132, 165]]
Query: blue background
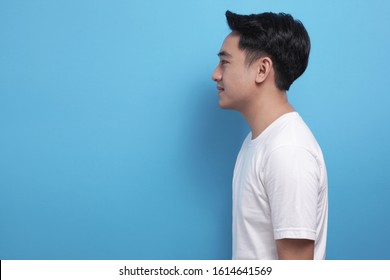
[[112, 145]]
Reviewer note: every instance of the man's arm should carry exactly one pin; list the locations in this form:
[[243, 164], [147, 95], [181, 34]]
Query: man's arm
[[295, 249]]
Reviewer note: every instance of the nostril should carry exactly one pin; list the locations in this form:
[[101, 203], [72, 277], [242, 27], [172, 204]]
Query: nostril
[[216, 77]]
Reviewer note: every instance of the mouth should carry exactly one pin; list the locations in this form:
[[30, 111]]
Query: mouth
[[220, 89]]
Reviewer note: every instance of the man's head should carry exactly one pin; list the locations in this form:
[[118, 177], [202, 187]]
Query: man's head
[[278, 36], [261, 48]]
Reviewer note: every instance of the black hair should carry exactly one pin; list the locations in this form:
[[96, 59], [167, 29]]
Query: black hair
[[280, 37]]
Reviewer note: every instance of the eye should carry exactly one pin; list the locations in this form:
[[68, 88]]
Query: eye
[[223, 62]]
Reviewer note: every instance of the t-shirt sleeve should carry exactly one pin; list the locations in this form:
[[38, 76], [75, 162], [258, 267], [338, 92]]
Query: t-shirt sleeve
[[291, 180]]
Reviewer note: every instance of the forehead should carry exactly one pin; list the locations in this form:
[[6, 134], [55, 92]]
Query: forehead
[[230, 44]]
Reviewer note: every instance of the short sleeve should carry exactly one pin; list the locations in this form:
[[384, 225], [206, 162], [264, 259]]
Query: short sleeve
[[291, 181]]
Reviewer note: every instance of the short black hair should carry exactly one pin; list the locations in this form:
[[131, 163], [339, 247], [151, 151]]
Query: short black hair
[[278, 36]]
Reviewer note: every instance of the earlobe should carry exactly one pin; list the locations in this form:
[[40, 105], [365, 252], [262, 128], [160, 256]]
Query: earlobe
[[263, 69]]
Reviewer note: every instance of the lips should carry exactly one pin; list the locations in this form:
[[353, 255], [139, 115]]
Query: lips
[[219, 88]]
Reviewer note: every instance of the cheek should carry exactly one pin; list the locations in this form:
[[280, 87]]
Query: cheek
[[232, 76], [247, 79]]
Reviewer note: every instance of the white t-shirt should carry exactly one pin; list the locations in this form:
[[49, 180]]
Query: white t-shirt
[[280, 190]]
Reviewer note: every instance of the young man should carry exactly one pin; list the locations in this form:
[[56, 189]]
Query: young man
[[280, 188]]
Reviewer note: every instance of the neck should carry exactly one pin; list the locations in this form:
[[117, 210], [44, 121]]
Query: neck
[[265, 110]]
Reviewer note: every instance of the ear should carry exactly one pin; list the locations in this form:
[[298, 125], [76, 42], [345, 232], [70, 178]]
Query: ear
[[264, 67]]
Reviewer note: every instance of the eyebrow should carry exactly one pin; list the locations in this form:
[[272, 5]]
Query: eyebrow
[[224, 53]]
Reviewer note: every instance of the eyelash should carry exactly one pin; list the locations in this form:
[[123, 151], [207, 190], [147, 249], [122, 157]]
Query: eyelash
[[224, 62]]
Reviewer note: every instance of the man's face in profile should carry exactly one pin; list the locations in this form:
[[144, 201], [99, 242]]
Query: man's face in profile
[[233, 76]]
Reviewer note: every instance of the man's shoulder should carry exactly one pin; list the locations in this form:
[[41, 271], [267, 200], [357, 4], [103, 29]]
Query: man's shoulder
[[291, 134], [290, 131], [293, 131]]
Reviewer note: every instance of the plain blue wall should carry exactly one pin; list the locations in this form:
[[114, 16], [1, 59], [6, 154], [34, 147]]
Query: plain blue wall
[[112, 145]]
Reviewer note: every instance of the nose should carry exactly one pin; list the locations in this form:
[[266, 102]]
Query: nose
[[217, 74]]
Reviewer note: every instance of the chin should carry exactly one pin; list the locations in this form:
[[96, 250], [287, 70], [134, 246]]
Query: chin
[[225, 106], [226, 103]]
